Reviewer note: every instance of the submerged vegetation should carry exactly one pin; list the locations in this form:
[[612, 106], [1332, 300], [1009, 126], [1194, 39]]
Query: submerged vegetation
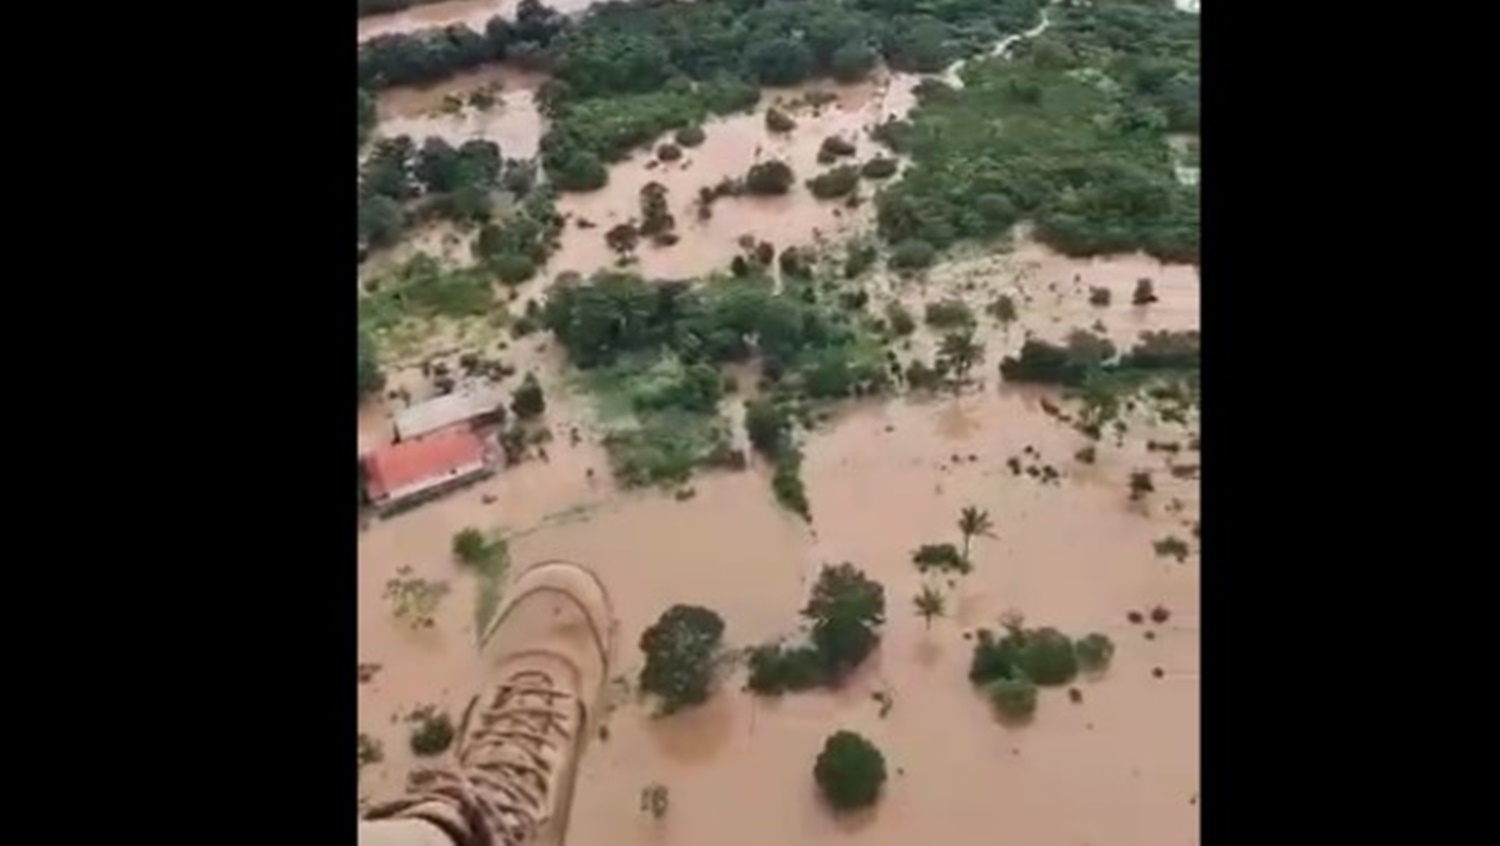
[[849, 771], [844, 613], [1069, 132], [654, 352], [1009, 667], [681, 649]]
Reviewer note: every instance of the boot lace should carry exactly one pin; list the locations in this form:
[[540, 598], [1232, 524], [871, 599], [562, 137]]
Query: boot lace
[[503, 781]]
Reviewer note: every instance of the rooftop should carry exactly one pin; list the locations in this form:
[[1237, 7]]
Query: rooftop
[[443, 411], [439, 454]]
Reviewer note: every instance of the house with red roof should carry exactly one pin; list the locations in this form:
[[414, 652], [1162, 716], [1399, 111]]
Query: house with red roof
[[414, 470]]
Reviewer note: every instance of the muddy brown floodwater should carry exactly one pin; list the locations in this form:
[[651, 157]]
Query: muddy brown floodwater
[[883, 477], [1119, 768], [473, 13]]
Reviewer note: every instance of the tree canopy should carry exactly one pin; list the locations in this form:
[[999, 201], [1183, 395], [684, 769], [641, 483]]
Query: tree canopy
[[680, 648]]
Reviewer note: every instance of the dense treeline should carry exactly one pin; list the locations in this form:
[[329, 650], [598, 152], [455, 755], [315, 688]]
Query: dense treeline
[[406, 58], [627, 72], [1069, 133], [1085, 355]]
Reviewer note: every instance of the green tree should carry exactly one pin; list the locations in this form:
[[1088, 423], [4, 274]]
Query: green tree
[[846, 609], [1004, 310], [850, 771], [528, 402], [961, 351], [780, 62], [769, 178], [853, 61], [929, 604], [681, 648], [767, 425], [973, 522], [1047, 657]]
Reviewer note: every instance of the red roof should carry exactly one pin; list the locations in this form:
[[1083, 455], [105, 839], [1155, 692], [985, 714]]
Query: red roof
[[431, 457]]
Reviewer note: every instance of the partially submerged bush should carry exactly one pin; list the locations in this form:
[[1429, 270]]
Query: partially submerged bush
[[777, 669], [1099, 297], [432, 733], [779, 121], [837, 146], [690, 136], [1094, 651], [680, 649], [912, 254], [669, 152], [948, 314], [838, 182], [901, 321], [879, 167], [849, 771], [769, 178], [943, 557], [1015, 698]]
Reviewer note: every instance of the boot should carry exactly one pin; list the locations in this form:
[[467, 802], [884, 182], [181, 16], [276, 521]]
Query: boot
[[546, 657]]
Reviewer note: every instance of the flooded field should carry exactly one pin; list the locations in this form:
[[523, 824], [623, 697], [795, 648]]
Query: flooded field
[[1119, 768]]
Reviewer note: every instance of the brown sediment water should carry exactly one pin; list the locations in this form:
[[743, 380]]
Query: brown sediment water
[[732, 144], [883, 477], [472, 13]]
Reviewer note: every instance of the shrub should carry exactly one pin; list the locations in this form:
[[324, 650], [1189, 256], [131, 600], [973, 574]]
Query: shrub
[[669, 152], [837, 146], [1171, 546], [786, 483], [680, 648], [1099, 297], [943, 557], [1087, 455], [1014, 698], [768, 426], [912, 254], [1094, 652], [1141, 484], [850, 771], [1047, 657], [838, 182], [433, 732], [370, 751], [1145, 293], [470, 547], [779, 121], [902, 323], [528, 401], [512, 269], [862, 256], [689, 136], [655, 799], [776, 669], [769, 178], [948, 314], [879, 167]]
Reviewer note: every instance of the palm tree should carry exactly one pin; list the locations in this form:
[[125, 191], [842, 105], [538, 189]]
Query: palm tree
[[971, 522], [929, 604], [962, 352]]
